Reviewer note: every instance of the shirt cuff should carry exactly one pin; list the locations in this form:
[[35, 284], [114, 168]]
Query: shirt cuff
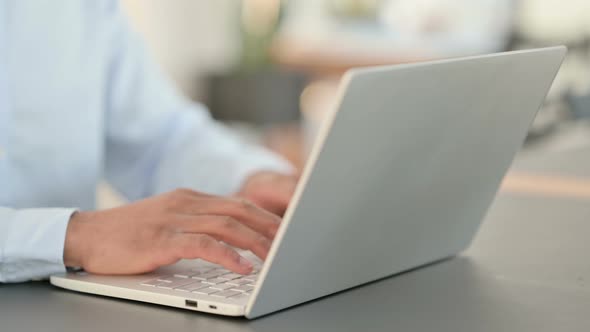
[[33, 243]]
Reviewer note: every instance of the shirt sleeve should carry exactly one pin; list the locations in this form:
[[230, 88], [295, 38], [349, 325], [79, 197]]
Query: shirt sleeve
[[157, 140], [32, 243]]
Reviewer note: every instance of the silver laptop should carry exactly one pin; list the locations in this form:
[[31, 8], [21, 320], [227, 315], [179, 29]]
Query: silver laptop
[[401, 175]]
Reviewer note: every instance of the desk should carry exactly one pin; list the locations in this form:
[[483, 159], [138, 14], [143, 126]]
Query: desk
[[528, 270]]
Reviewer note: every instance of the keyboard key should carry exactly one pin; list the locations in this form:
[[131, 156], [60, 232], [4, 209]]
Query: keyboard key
[[215, 281], [187, 274], [209, 275], [199, 272], [192, 287], [230, 276], [243, 288], [152, 283], [222, 286], [177, 283], [239, 282], [202, 269], [227, 293], [170, 278], [182, 275], [206, 291], [251, 278], [240, 296]]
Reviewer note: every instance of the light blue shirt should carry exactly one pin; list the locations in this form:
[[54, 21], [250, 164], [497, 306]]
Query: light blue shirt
[[81, 101]]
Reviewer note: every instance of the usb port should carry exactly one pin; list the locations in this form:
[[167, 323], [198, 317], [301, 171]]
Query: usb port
[[214, 307], [191, 303]]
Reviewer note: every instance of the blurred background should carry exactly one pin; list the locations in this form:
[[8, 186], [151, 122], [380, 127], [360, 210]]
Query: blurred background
[[270, 68]]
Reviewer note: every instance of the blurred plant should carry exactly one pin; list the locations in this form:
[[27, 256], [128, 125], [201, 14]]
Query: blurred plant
[[355, 9], [258, 24]]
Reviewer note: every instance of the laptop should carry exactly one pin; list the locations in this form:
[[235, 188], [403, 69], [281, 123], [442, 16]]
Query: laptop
[[402, 174]]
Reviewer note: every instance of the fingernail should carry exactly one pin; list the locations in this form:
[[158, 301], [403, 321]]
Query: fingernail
[[245, 263]]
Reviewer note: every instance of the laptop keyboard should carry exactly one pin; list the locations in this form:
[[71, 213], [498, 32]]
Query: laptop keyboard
[[214, 282]]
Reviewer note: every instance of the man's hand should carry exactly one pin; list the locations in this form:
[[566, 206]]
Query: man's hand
[[269, 190], [161, 230]]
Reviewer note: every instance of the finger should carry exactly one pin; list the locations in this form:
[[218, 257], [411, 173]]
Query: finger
[[186, 201], [246, 212], [274, 198], [190, 193], [192, 246], [228, 230], [288, 185], [272, 203]]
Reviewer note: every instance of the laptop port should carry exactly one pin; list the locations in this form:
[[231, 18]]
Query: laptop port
[[191, 303], [213, 306]]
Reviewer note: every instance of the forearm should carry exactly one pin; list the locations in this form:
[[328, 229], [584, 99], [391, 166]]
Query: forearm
[[32, 243], [210, 158], [188, 149]]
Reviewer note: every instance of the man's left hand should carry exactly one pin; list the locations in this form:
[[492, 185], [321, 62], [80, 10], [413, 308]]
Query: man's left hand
[[269, 190]]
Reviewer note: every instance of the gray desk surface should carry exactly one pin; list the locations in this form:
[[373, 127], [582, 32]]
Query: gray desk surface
[[528, 270]]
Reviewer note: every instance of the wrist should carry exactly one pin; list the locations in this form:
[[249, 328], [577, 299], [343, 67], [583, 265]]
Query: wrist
[[74, 243]]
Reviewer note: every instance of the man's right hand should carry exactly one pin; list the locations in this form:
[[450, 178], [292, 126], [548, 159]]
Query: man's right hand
[[161, 230]]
